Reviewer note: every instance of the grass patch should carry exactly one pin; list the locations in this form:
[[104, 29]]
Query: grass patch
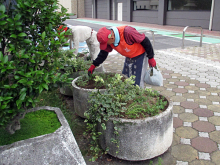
[[40, 122], [55, 99], [32, 125]]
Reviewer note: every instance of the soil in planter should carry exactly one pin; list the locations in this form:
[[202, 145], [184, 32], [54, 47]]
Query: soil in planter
[[138, 110], [32, 125]]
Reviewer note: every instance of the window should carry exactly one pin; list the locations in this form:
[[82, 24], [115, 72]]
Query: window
[[189, 4], [146, 4]]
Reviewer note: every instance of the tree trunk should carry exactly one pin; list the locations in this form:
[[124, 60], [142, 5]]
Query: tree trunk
[[14, 125]]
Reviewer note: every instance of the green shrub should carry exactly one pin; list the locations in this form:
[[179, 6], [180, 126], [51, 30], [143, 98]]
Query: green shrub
[[29, 51]]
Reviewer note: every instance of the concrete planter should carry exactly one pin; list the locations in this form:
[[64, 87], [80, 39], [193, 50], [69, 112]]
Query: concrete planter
[[59, 147], [67, 90], [139, 139], [81, 97]]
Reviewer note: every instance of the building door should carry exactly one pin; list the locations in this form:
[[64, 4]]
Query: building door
[[119, 11]]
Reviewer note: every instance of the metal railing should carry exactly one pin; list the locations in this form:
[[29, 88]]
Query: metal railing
[[184, 31]]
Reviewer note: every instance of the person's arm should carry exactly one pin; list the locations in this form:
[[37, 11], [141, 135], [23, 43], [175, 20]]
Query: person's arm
[[133, 36], [100, 58], [148, 47]]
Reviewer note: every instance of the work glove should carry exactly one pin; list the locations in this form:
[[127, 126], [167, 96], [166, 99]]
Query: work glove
[[91, 69], [152, 62]]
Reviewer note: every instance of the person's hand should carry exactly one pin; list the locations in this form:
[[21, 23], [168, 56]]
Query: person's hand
[[91, 69], [152, 62]]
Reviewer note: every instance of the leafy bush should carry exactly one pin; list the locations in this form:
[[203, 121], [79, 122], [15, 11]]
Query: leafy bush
[[29, 51], [69, 62], [96, 80]]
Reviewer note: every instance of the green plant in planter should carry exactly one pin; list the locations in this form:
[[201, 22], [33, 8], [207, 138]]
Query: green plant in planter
[[96, 80], [69, 62], [28, 36], [122, 99], [73, 66]]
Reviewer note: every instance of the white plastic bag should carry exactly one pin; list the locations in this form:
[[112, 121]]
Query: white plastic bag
[[153, 76]]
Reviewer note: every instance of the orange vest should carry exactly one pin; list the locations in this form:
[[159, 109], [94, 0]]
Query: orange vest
[[126, 50]]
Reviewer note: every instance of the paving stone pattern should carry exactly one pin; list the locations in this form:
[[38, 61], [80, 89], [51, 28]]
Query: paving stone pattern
[[192, 81]]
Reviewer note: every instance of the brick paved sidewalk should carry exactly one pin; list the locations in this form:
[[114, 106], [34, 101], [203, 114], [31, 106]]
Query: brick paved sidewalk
[[192, 81]]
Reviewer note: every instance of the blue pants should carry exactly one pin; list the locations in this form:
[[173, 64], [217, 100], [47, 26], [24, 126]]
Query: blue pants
[[136, 66]]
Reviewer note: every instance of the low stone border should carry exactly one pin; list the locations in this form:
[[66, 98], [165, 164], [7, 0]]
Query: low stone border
[[59, 147]]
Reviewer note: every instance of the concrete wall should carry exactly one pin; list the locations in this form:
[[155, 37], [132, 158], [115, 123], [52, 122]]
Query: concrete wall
[[66, 4], [145, 16], [74, 6], [188, 18], [102, 11], [80, 9], [216, 17], [88, 8]]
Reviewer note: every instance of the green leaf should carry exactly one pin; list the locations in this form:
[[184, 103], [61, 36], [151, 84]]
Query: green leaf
[[18, 27], [22, 81], [10, 111], [10, 20], [17, 17], [27, 4], [45, 86], [18, 103], [1, 56], [22, 34], [3, 70], [32, 61], [16, 77], [2, 8], [40, 88], [27, 41], [7, 86], [5, 59], [93, 159], [43, 35], [3, 22], [7, 98], [24, 56], [3, 106], [14, 85], [2, 16], [22, 96], [30, 100], [103, 126], [23, 90], [13, 36], [30, 82], [66, 44]]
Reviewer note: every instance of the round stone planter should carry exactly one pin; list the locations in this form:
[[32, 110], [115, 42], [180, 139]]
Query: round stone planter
[[80, 98], [139, 139], [67, 90]]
